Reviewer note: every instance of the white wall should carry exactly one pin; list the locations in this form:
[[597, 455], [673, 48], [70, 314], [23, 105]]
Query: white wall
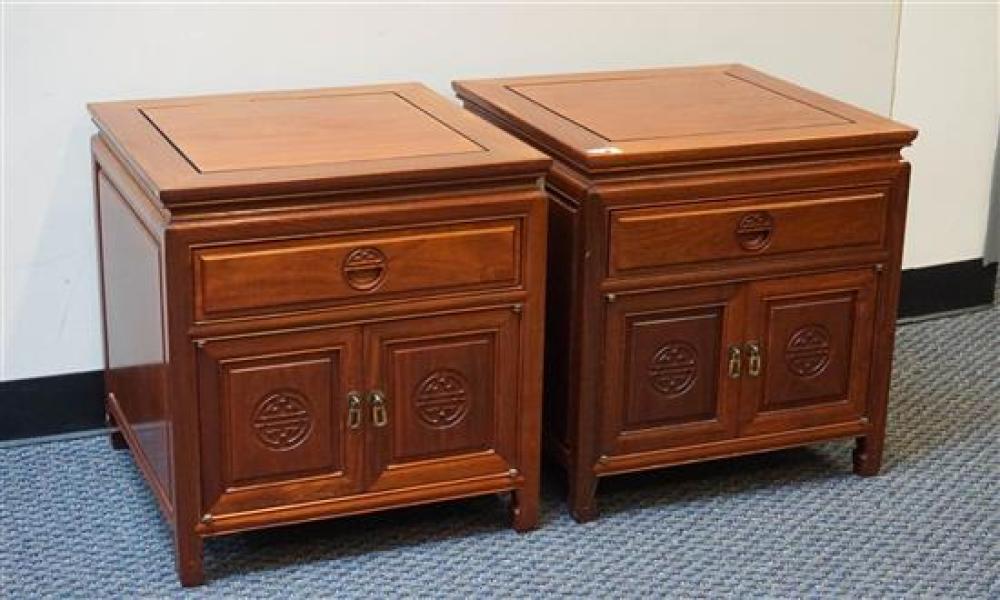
[[947, 87], [57, 58]]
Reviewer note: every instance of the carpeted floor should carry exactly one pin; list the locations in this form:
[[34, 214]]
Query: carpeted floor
[[77, 519]]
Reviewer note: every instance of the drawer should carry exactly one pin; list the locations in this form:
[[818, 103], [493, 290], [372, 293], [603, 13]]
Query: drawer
[[252, 278], [649, 238]]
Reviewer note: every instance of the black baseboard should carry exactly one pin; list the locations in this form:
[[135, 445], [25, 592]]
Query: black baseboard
[[55, 405], [65, 404], [943, 288]]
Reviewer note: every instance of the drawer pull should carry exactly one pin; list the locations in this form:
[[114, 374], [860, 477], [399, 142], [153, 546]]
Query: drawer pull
[[364, 268], [754, 231], [354, 409], [755, 360], [380, 415], [735, 362]]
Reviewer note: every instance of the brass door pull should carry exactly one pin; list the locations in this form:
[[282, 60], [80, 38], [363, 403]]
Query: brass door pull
[[755, 361], [735, 362], [380, 415], [353, 410]]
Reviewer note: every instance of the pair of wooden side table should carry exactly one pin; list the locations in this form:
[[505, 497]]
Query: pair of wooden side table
[[334, 301]]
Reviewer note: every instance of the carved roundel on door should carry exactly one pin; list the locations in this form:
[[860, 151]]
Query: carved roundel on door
[[808, 350], [282, 420], [754, 231], [674, 367], [365, 268], [442, 398]]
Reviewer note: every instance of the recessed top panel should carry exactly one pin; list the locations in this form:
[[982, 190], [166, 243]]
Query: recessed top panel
[[267, 132], [677, 117], [199, 151], [674, 104]]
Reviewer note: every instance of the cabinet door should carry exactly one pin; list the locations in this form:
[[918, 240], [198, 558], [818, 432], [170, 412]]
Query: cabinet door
[[814, 340], [667, 380], [444, 397], [275, 419]]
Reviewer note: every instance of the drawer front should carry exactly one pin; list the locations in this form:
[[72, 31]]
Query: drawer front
[[649, 238], [303, 273]]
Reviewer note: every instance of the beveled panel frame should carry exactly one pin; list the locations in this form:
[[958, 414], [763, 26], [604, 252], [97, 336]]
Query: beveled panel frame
[[318, 368], [460, 454], [841, 303], [170, 178], [622, 432]]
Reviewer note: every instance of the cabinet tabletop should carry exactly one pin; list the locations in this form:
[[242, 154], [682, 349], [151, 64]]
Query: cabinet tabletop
[[677, 115], [210, 147]]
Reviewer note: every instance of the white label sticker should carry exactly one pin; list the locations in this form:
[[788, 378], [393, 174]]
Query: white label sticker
[[605, 150]]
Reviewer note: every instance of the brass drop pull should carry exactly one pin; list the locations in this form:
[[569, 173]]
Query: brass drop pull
[[753, 368], [380, 414], [353, 409], [735, 362]]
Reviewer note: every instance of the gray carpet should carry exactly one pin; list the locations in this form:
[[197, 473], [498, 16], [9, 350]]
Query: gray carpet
[[78, 521]]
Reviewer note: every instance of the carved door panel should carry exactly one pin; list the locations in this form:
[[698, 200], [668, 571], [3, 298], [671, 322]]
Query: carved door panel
[[666, 376], [809, 344], [279, 418], [444, 399]]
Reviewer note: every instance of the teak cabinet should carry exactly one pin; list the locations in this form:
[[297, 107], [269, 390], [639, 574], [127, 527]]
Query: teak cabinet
[[319, 303], [723, 265]]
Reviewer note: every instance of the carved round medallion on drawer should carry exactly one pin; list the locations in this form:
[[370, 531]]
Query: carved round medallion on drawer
[[282, 420], [441, 398], [755, 230], [365, 268], [808, 350], [673, 369]]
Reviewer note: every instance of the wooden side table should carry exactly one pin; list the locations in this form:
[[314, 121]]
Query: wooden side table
[[319, 303], [724, 260]]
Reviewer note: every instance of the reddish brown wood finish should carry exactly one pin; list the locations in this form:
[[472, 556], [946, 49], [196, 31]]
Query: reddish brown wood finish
[[665, 378], [656, 118], [193, 152], [724, 255], [662, 237], [320, 303], [242, 279]]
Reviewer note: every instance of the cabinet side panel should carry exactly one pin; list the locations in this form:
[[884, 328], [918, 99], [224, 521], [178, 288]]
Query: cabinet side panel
[[134, 323], [561, 292]]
